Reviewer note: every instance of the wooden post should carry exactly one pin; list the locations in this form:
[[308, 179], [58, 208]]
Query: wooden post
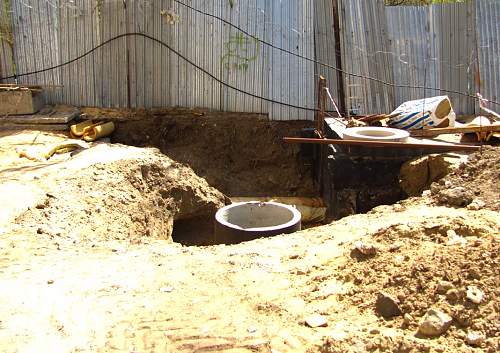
[[338, 57], [320, 115], [320, 121]]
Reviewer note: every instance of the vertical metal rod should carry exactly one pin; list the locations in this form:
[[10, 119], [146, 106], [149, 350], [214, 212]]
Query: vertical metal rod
[[338, 57]]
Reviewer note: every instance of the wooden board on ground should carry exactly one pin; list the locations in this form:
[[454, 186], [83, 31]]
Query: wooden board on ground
[[54, 117], [50, 118], [40, 127]]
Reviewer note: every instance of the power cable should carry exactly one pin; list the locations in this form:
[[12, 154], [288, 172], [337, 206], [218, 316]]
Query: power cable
[[15, 76], [394, 85], [171, 49]]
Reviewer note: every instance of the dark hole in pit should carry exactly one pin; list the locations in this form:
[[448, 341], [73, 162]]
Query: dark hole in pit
[[198, 231]]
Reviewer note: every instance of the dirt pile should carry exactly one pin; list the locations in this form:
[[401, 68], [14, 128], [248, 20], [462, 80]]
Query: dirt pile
[[117, 192], [373, 279], [475, 183], [404, 270]]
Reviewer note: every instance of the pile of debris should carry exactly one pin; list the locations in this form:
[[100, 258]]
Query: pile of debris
[[48, 118], [434, 277]]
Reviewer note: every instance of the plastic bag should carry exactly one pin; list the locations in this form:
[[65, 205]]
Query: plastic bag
[[424, 114]]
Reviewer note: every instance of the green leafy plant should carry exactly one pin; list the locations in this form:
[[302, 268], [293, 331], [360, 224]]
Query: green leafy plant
[[6, 34], [6, 24], [98, 7]]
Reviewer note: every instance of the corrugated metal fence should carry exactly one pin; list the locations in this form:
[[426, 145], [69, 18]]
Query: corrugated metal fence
[[449, 46]]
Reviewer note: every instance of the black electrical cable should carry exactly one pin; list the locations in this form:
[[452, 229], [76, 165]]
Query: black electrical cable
[[15, 76], [171, 49], [347, 73]]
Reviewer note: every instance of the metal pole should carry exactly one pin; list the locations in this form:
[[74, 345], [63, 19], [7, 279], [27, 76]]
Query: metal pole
[[380, 144], [338, 56]]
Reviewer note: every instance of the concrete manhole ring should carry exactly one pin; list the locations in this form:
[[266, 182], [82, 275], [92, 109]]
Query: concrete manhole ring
[[374, 133], [245, 221]]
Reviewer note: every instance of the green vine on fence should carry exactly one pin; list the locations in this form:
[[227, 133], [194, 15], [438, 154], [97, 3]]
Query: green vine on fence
[[6, 34], [98, 7], [240, 51], [6, 24]]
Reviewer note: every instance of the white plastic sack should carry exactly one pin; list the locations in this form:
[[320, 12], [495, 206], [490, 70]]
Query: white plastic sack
[[424, 114]]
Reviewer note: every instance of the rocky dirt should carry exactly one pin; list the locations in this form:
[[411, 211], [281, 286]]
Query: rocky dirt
[[474, 184], [239, 154], [418, 276], [106, 192]]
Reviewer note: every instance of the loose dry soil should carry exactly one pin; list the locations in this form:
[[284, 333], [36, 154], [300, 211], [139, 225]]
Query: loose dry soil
[[86, 264]]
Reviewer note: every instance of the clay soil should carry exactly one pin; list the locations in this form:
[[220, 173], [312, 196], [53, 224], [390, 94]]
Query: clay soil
[[239, 154], [87, 264]]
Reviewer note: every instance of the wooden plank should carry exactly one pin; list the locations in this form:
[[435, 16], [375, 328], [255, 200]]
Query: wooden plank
[[56, 118], [39, 127], [455, 130]]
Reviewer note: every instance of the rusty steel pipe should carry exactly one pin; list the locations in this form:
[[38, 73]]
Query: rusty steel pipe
[[380, 144]]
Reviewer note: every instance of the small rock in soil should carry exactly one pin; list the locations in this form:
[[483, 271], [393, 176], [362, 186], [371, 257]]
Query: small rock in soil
[[395, 247], [365, 248], [434, 323], [474, 338], [302, 271], [426, 193], [387, 306], [443, 287], [408, 320], [291, 341], [475, 295], [316, 321], [40, 206], [457, 196], [476, 204], [455, 239], [453, 295]]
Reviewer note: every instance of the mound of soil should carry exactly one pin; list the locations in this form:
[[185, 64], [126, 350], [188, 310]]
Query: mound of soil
[[477, 180], [239, 154], [118, 192], [421, 265], [65, 286]]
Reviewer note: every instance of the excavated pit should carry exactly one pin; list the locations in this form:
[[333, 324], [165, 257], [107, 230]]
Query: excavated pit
[[243, 155]]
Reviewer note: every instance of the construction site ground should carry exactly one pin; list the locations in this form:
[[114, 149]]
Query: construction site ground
[[87, 263]]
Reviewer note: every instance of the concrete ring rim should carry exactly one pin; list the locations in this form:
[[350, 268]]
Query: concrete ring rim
[[297, 216], [396, 134]]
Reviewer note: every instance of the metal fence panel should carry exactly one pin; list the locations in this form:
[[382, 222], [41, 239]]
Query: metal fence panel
[[424, 46], [456, 53], [291, 27], [325, 47], [488, 44], [412, 44], [449, 46], [365, 49]]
